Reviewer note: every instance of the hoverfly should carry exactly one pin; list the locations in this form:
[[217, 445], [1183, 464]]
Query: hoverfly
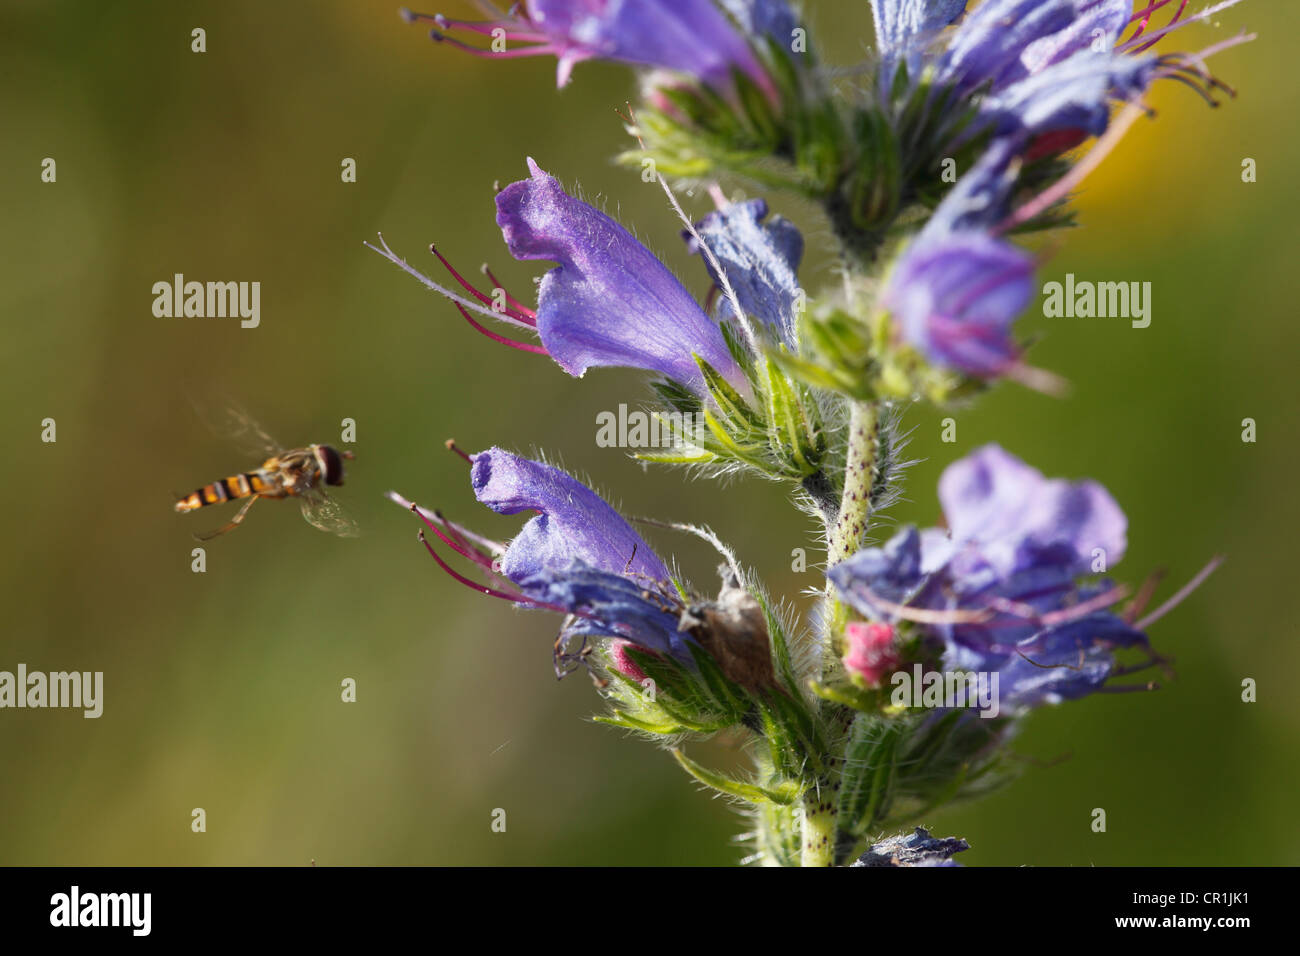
[[300, 473]]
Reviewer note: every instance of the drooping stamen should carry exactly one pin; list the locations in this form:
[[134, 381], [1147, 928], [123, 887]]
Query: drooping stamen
[[512, 597], [1183, 593], [489, 301], [514, 303], [522, 346], [451, 538]]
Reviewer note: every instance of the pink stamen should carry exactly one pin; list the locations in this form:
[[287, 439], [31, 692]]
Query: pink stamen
[[1183, 593], [1146, 13], [519, 51], [515, 303], [1176, 25], [522, 346], [529, 321], [1152, 42]]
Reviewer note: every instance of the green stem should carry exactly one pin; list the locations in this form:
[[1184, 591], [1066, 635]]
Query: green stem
[[844, 537], [818, 837]]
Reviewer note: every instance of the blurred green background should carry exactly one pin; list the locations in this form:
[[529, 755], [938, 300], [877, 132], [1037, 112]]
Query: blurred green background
[[223, 689]]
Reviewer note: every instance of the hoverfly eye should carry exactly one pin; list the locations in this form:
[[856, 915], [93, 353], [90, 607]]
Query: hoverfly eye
[[331, 463]]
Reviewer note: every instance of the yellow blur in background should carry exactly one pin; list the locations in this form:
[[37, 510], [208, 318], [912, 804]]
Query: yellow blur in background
[[222, 690]]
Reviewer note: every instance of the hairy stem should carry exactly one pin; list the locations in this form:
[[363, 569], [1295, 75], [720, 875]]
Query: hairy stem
[[818, 837], [855, 501], [844, 536]]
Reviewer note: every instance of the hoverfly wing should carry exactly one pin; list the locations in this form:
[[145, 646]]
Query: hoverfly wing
[[325, 513], [229, 420]]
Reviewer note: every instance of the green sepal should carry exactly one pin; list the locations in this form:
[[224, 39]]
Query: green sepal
[[867, 777], [729, 401], [784, 795], [619, 719], [790, 426]]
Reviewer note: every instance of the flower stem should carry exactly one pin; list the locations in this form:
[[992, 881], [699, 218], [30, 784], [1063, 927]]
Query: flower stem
[[818, 838], [844, 536], [855, 501]]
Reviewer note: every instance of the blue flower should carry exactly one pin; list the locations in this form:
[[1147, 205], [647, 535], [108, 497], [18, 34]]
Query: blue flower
[[999, 591], [609, 302], [760, 261], [575, 556]]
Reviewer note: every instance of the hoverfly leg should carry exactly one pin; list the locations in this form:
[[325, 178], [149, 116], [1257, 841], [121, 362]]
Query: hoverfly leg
[[231, 525]]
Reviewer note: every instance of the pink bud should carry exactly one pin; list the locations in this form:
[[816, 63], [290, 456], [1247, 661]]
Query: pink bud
[[624, 664], [870, 654]]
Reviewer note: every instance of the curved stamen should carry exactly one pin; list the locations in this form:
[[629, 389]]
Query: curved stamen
[[442, 290], [483, 297], [1183, 593], [514, 303], [522, 346], [1170, 27], [1177, 16]]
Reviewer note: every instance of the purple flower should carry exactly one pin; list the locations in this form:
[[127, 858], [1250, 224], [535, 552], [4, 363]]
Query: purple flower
[[609, 302], [689, 36], [760, 261], [956, 289], [1041, 68], [987, 47], [955, 296], [572, 521], [999, 592], [904, 27], [575, 556]]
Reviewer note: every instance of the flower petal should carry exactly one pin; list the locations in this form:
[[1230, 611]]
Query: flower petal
[[574, 523], [609, 302]]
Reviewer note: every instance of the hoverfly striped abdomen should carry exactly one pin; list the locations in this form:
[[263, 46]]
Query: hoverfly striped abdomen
[[227, 489]]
